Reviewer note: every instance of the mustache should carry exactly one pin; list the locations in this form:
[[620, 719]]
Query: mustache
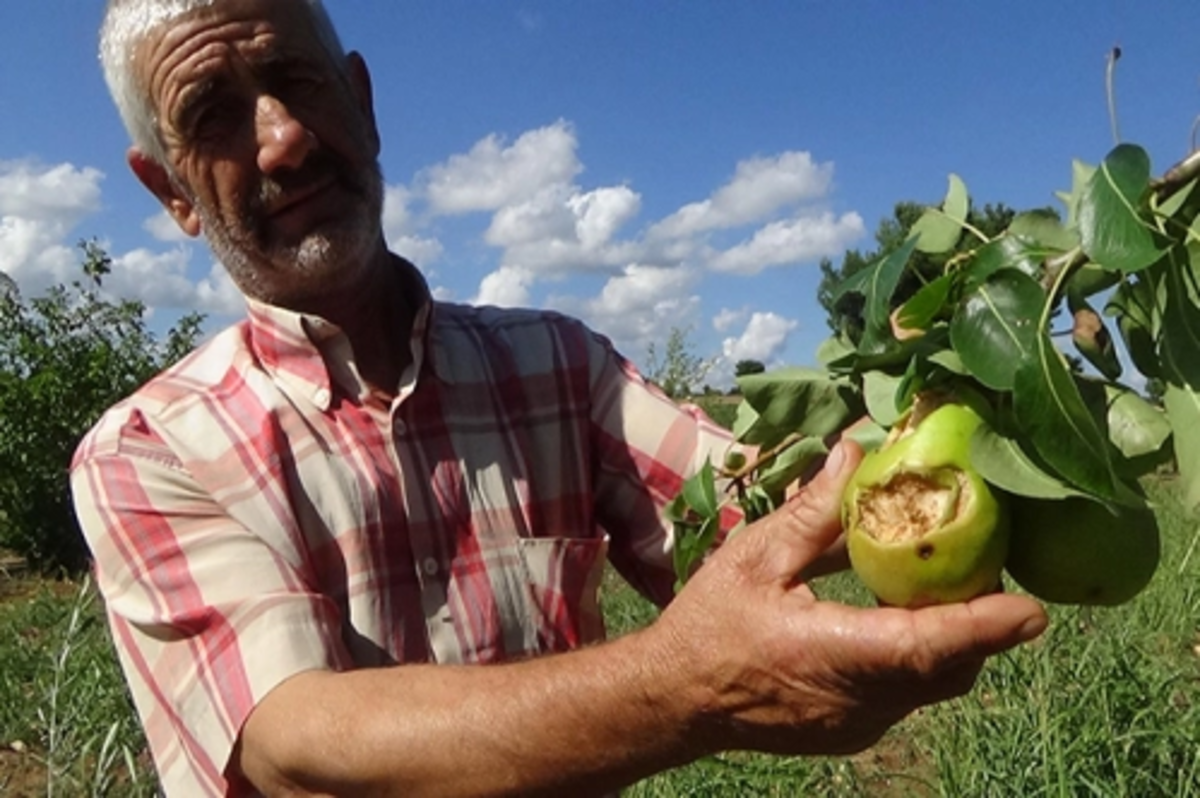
[[321, 166]]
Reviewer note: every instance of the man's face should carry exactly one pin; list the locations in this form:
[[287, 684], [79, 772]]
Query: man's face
[[270, 147]]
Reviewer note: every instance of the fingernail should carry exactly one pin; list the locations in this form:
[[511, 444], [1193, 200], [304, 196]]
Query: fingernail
[[836, 459], [1033, 627]]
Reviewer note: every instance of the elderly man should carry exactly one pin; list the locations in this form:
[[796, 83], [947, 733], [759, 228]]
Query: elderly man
[[351, 545]]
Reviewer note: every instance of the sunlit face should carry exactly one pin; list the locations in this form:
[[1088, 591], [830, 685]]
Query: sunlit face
[[270, 147]]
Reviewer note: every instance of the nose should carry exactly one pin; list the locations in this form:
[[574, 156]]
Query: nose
[[283, 140]]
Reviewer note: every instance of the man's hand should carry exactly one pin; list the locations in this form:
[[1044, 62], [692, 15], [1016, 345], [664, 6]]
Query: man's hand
[[775, 669]]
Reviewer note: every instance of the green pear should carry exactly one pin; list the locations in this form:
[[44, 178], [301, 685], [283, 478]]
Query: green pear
[[922, 527]]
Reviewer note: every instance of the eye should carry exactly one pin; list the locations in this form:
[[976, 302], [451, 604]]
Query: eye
[[297, 84], [216, 120]]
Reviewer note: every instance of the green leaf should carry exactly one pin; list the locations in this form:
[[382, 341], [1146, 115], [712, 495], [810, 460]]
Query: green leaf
[[1175, 202], [695, 516], [1112, 229], [677, 510], [1055, 419], [789, 465], [870, 435], [857, 283], [1135, 426], [778, 403], [1002, 462], [692, 543], [879, 392], [1006, 252], [833, 349], [1183, 409], [949, 360], [938, 230], [700, 491], [1090, 279], [927, 305], [1081, 176], [1135, 305], [1180, 341], [1042, 228], [878, 290], [995, 330]]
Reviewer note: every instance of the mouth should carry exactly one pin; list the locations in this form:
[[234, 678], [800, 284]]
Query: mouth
[[290, 201]]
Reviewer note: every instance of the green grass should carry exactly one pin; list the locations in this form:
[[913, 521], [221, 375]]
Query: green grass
[[1107, 703], [66, 723]]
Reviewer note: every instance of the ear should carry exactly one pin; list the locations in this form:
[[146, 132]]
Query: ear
[[154, 177], [360, 82]]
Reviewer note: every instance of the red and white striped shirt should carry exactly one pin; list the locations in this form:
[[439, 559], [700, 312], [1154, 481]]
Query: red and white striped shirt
[[255, 512]]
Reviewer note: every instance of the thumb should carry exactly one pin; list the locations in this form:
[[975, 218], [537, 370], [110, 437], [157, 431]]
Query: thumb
[[809, 522]]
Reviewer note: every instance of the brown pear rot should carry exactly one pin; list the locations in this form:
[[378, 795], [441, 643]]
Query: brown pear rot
[[922, 526]]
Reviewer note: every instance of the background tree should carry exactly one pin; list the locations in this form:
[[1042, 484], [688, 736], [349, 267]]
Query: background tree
[[66, 357], [846, 315], [677, 370], [744, 367]]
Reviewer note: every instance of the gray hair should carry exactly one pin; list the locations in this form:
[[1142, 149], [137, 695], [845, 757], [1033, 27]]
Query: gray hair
[[127, 22]]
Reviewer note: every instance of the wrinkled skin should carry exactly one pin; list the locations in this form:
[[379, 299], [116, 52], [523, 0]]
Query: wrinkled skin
[[822, 677]]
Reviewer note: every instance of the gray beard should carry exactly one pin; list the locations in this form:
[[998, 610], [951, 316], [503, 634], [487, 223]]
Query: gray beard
[[319, 262]]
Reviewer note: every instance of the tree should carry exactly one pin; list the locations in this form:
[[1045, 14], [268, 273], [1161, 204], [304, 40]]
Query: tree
[[845, 314], [65, 357], [677, 371], [744, 367]]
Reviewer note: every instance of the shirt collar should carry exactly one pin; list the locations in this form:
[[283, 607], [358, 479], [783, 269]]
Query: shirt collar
[[310, 355]]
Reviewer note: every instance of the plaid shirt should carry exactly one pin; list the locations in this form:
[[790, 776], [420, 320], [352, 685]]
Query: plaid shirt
[[255, 512]]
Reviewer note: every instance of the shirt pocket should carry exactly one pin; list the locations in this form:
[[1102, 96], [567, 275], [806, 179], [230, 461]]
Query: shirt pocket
[[563, 580]]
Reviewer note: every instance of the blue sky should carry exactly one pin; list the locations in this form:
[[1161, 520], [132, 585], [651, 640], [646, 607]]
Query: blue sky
[[643, 165]]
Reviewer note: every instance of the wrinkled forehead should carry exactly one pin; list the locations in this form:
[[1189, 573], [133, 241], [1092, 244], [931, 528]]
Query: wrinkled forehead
[[149, 30], [196, 38]]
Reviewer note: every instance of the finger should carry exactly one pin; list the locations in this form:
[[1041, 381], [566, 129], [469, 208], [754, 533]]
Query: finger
[[808, 523], [955, 633], [835, 559]]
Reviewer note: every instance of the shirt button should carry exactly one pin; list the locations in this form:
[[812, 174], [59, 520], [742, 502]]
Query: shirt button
[[399, 427], [321, 397], [430, 566]]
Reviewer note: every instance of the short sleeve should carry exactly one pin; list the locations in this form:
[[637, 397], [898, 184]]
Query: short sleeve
[[647, 446], [206, 618]]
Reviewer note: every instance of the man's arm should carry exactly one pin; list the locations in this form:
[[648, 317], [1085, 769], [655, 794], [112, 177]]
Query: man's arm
[[745, 657]]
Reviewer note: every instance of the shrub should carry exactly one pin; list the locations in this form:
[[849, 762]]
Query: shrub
[[65, 357]]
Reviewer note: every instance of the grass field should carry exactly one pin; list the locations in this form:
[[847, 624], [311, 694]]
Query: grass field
[[1107, 703]]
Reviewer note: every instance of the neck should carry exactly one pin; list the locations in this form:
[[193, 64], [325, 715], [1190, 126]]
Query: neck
[[376, 316]]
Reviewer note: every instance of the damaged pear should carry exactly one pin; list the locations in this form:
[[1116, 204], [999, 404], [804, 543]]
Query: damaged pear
[[922, 526]]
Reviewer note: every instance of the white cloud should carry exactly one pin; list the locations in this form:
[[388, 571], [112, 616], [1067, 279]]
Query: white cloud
[[601, 213], [726, 319], [61, 194], [638, 307], [763, 339], [163, 228], [217, 294], [562, 230], [545, 216], [805, 238], [492, 175], [160, 279], [401, 229], [759, 188], [39, 207], [506, 287]]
